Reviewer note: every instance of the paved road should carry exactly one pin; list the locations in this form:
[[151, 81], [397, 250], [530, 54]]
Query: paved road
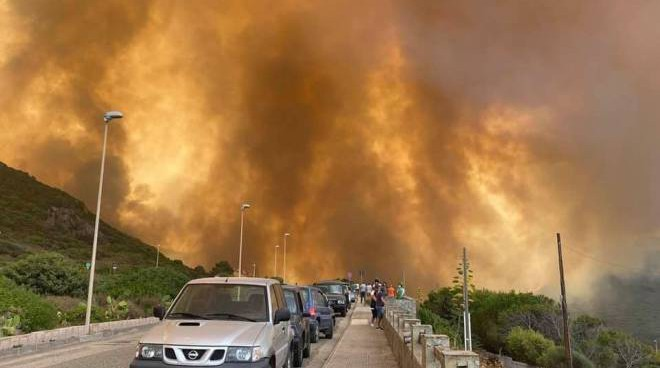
[[118, 351]]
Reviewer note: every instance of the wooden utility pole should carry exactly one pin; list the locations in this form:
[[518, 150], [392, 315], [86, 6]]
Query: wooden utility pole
[[564, 308]]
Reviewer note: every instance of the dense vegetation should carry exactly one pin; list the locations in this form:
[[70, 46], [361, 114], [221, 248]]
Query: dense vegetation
[[529, 328], [45, 243]]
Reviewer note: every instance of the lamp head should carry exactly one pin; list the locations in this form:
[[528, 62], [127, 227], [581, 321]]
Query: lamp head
[[287, 234], [244, 206], [112, 115]]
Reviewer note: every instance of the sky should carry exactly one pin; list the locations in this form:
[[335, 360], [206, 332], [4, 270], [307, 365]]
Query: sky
[[385, 136]]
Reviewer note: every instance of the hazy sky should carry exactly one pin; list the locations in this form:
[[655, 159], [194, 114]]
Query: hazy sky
[[384, 135]]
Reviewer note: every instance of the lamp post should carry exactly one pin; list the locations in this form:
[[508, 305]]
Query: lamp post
[[275, 271], [107, 118], [286, 235], [244, 207], [157, 254]]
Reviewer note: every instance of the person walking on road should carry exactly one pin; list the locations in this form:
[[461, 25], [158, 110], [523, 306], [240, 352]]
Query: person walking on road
[[390, 291], [363, 292], [380, 306], [372, 304]]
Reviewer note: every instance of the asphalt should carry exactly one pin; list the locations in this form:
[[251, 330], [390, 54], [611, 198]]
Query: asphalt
[[118, 351]]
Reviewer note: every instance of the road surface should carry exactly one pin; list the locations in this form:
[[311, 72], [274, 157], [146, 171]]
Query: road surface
[[118, 351]]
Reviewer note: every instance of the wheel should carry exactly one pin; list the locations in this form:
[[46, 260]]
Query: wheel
[[314, 332], [329, 332], [297, 355], [308, 347]]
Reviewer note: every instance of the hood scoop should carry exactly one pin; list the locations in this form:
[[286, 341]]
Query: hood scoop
[[190, 324]]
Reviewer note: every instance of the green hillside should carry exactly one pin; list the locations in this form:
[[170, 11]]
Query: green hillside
[[35, 217]]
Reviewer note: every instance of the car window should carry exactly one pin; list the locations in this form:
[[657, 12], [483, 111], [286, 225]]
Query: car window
[[221, 301], [291, 301], [319, 299], [304, 293], [331, 289]]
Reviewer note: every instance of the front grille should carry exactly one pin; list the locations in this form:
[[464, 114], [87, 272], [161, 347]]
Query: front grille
[[169, 353], [193, 354], [218, 355]]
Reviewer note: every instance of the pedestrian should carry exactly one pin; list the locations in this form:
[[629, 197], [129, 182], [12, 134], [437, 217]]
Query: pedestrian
[[400, 292], [390, 291], [380, 306], [372, 302], [363, 292]]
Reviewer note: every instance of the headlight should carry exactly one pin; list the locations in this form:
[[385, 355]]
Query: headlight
[[340, 301], [149, 352], [244, 354]]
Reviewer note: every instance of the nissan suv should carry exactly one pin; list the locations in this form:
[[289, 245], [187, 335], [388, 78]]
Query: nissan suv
[[228, 321]]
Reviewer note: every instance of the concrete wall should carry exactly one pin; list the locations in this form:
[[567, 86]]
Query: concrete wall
[[414, 345], [42, 339]]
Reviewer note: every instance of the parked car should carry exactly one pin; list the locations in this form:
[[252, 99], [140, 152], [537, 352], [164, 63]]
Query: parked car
[[322, 315], [300, 320], [335, 291], [231, 321]]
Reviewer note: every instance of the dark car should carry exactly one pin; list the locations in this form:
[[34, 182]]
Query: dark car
[[335, 291], [322, 318], [299, 322]]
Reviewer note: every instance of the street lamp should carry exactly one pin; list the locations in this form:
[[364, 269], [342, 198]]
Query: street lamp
[[276, 248], [107, 118], [286, 235], [244, 207], [157, 254]]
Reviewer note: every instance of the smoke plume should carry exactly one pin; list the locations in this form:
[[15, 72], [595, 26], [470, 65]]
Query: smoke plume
[[383, 135]]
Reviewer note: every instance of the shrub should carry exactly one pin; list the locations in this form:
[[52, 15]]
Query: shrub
[[144, 282], [440, 325], [48, 273], [527, 345], [35, 312], [555, 358]]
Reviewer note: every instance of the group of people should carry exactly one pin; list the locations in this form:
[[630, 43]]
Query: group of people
[[375, 294]]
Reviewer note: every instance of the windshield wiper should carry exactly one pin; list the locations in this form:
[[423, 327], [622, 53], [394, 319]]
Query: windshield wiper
[[186, 315], [229, 315]]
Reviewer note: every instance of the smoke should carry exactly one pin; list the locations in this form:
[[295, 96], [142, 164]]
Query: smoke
[[385, 136]]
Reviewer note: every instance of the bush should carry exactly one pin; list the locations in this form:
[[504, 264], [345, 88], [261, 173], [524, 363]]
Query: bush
[[144, 282], [440, 325], [527, 345], [555, 358], [48, 273], [35, 312]]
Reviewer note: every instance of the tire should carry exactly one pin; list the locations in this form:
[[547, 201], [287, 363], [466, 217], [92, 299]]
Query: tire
[[297, 353], [329, 332], [308, 347], [314, 334]]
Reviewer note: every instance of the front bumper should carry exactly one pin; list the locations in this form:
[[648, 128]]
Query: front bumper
[[263, 363], [338, 308]]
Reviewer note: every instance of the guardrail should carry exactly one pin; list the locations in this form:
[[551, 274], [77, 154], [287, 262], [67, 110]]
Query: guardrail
[[43, 339], [415, 345]]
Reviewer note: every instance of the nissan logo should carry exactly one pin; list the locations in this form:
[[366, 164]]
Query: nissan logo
[[193, 354]]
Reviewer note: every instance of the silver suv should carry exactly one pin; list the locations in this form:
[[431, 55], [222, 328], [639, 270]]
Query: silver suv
[[220, 321]]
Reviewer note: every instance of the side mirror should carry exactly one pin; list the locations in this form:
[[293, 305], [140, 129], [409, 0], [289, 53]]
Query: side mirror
[[306, 315], [159, 312], [282, 315]]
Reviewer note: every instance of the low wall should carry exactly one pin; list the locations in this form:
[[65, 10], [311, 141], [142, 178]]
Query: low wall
[[414, 345], [42, 339]]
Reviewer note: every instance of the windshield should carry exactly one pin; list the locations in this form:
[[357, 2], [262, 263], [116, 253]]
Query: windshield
[[331, 289], [221, 301]]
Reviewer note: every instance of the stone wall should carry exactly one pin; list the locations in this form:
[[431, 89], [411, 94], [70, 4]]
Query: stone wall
[[414, 345]]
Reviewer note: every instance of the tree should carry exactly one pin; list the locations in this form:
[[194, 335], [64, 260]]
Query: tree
[[555, 358], [199, 271], [48, 273], [527, 345], [222, 269]]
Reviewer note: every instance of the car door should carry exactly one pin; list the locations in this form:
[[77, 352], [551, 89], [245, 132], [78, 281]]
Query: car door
[[281, 334], [322, 306]]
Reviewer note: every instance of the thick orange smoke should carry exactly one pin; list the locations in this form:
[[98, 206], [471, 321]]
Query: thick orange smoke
[[384, 135]]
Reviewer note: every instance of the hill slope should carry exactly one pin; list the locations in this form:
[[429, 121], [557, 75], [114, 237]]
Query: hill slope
[[36, 217]]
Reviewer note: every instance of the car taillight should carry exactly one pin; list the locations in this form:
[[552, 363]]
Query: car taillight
[[312, 311]]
